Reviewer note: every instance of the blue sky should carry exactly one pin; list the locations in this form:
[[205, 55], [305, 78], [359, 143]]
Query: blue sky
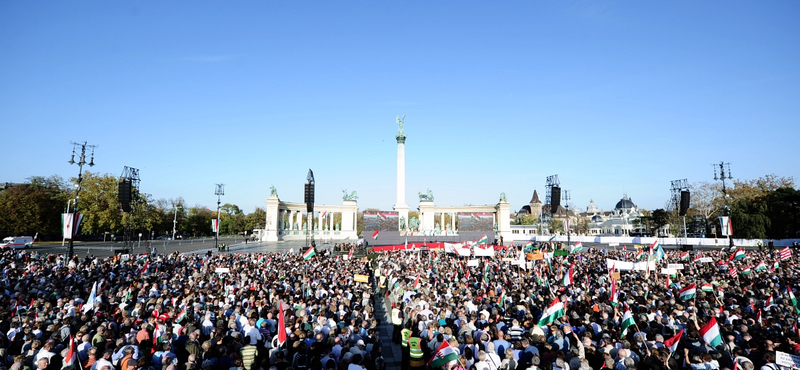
[[612, 96]]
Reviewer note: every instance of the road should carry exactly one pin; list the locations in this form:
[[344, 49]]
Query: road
[[237, 245]]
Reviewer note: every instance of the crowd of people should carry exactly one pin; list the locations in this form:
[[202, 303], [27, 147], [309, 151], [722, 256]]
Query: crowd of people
[[264, 311]]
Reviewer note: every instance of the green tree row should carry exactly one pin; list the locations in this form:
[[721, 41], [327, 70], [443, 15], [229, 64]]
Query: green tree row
[[36, 207]]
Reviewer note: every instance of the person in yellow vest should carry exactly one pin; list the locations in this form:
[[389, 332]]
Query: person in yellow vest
[[415, 353], [397, 323], [405, 336]]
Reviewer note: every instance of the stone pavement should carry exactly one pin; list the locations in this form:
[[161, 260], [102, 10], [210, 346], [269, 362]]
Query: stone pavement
[[391, 353]]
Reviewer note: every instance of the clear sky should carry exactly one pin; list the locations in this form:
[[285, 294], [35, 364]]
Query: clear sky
[[612, 96]]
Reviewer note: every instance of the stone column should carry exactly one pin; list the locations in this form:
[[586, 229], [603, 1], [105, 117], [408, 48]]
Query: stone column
[[271, 222]]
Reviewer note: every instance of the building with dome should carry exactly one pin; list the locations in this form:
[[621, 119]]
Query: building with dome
[[618, 222]]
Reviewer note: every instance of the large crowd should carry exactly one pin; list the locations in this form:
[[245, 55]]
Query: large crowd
[[230, 311]]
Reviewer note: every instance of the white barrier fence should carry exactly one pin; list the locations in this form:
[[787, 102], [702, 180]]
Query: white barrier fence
[[622, 240]]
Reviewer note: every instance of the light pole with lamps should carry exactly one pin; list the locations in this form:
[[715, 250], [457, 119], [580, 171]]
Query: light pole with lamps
[[219, 192], [725, 173], [74, 215], [175, 220]]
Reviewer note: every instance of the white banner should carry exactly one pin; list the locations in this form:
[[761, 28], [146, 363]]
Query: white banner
[[787, 360], [483, 251], [705, 260], [630, 266], [668, 271], [457, 248], [675, 266], [475, 263]]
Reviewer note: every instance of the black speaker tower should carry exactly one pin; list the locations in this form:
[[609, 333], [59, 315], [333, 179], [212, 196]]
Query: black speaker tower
[[555, 199], [125, 194], [685, 196]]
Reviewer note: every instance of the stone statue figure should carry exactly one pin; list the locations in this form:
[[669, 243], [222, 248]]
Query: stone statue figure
[[426, 197], [272, 190], [503, 197], [352, 196], [414, 223], [400, 121], [402, 223]]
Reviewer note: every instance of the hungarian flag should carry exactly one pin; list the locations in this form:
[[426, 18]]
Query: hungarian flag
[[501, 300], [707, 288], [785, 253], [281, 326], [758, 317], [375, 234], [685, 256], [416, 282], [739, 254], [444, 355], [552, 238], [747, 271], [309, 253], [578, 247], [689, 292], [710, 333], [791, 297], [672, 343], [697, 259], [324, 213], [627, 322], [350, 255], [569, 276], [769, 302], [639, 254], [669, 283], [552, 313], [181, 315], [483, 240], [761, 267], [733, 271], [69, 359]]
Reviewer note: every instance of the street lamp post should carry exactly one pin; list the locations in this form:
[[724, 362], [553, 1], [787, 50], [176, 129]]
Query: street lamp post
[[175, 221], [74, 215], [725, 173], [219, 192]]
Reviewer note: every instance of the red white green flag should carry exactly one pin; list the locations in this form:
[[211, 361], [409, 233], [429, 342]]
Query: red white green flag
[[688, 292], [309, 253], [552, 313], [710, 333], [444, 355], [672, 343], [375, 234]]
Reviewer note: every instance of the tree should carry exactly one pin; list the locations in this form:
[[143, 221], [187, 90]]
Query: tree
[[198, 222], [784, 213], [34, 208], [749, 218], [98, 202], [660, 218], [556, 226], [526, 219], [256, 219], [705, 202]]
